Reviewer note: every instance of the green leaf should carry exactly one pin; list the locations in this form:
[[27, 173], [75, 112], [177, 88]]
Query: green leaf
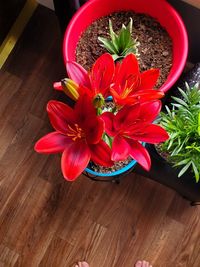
[[130, 25], [198, 124], [196, 173], [107, 139], [113, 36], [185, 161], [184, 169], [187, 87], [180, 101], [170, 144], [178, 149], [108, 45], [129, 51], [121, 44], [183, 94], [115, 57], [168, 110], [176, 105], [124, 38]]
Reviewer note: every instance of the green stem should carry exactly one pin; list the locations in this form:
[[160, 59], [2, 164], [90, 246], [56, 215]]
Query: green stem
[[99, 111]]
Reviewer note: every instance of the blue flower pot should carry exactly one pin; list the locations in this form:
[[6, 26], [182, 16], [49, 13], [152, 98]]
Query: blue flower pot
[[111, 176], [125, 169]]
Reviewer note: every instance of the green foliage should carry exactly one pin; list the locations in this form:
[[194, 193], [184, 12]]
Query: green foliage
[[122, 44], [182, 123]]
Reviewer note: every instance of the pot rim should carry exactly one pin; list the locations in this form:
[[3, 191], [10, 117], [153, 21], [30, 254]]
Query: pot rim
[[118, 172]]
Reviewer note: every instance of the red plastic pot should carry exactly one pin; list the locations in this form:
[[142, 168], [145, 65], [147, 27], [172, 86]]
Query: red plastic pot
[[159, 9]]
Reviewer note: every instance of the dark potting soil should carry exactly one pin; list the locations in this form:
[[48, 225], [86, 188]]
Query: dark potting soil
[[155, 47], [117, 166], [164, 154]]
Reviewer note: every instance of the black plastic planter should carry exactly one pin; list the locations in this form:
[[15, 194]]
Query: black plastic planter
[[163, 172]]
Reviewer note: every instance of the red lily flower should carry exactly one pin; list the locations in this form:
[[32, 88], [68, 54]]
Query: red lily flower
[[97, 81], [78, 135], [131, 126], [131, 86]]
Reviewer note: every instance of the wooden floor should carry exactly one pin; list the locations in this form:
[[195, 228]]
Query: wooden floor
[[48, 222]]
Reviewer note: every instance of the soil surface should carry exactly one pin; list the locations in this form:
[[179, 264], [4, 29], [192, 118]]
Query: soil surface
[[164, 154], [155, 47], [117, 166]]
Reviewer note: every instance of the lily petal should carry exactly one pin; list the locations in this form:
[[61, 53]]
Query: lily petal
[[94, 128], [101, 154], [60, 115], [109, 119], [85, 90], [147, 95], [52, 143], [139, 153], [149, 78], [127, 116], [102, 74], [120, 100], [151, 134], [84, 108], [120, 149], [77, 73], [57, 86], [150, 110], [128, 68], [75, 159]]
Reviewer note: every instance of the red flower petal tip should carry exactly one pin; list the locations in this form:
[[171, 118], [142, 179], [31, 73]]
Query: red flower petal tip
[[57, 86]]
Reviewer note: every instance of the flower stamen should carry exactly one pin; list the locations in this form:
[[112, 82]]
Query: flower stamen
[[126, 92], [76, 132]]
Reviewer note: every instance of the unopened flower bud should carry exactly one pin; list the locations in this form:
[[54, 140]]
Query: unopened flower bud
[[70, 88], [98, 101]]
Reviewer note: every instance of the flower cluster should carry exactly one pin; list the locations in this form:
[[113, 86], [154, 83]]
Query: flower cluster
[[80, 131]]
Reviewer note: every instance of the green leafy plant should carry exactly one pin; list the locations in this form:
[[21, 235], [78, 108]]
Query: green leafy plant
[[182, 123], [121, 44]]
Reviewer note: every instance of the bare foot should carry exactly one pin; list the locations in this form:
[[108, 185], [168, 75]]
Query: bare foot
[[138, 264], [143, 264], [82, 264]]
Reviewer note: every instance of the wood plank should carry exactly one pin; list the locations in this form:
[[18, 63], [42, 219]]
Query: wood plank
[[190, 240], [55, 257], [8, 257], [9, 85], [194, 3]]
